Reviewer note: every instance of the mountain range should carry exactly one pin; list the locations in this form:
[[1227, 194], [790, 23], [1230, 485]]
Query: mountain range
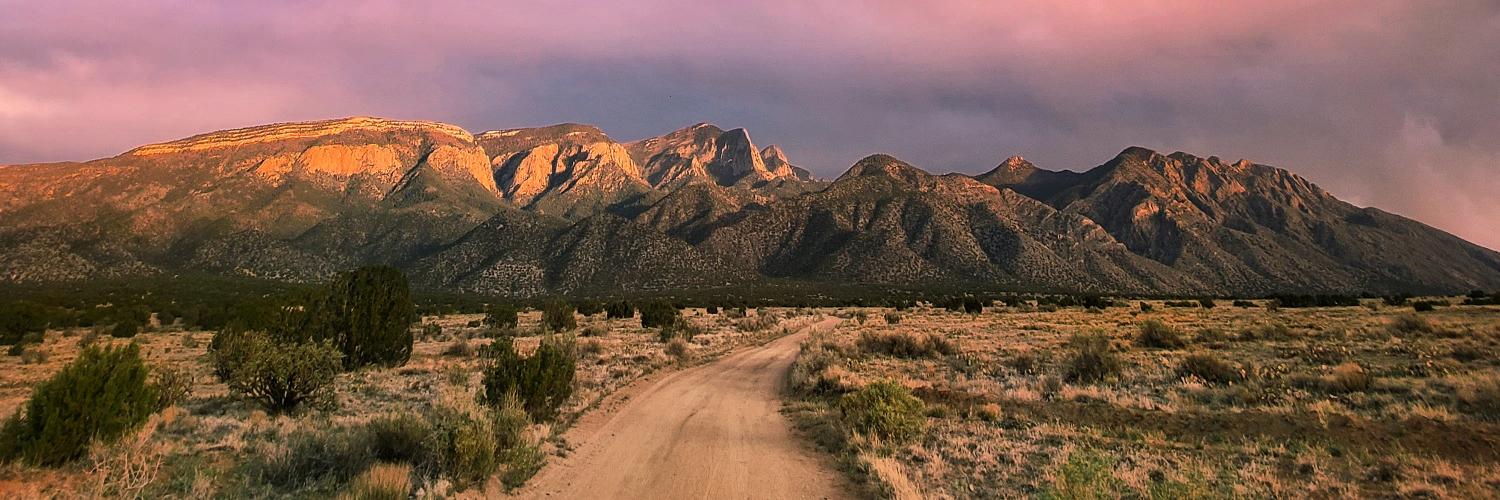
[[568, 209]]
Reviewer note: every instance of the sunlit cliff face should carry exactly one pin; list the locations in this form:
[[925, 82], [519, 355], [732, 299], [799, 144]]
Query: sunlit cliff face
[[1386, 103]]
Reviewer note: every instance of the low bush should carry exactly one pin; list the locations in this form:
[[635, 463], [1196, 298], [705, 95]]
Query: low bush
[[1243, 303], [809, 372], [558, 317], [1209, 368], [1409, 324], [399, 437], [757, 323], [658, 314], [173, 385], [315, 456], [1092, 359], [1156, 334], [460, 348], [683, 329], [278, 375], [1481, 397], [1425, 306], [594, 331], [906, 344], [1206, 303], [102, 395], [1146, 307], [502, 315], [125, 328], [885, 410], [677, 348], [1348, 377], [892, 318], [542, 382], [464, 446]]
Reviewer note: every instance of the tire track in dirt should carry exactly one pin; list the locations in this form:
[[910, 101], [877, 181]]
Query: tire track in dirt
[[711, 431]]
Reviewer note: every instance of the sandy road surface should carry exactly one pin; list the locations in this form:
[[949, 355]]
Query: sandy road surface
[[712, 431]]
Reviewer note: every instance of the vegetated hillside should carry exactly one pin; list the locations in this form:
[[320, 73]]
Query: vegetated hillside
[[1250, 228], [565, 208]]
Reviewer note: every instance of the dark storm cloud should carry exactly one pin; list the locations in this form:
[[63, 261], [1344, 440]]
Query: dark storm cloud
[[1386, 103]]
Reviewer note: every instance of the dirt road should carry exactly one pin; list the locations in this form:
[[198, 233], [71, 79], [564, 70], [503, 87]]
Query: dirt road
[[712, 431]]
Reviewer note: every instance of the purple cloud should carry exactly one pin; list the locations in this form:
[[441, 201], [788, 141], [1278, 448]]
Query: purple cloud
[[1386, 103]]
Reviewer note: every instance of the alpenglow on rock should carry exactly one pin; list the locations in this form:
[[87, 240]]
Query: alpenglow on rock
[[568, 209]]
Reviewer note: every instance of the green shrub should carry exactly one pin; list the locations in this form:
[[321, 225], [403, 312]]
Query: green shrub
[[619, 310], [1154, 333], [1206, 303], [658, 314], [464, 445], [280, 375], [1086, 475], [103, 394], [906, 344], [1209, 368], [542, 382], [712, 310], [315, 455], [885, 410], [973, 305], [892, 318], [400, 437], [366, 314], [1243, 303], [125, 328], [1092, 359], [18, 318], [502, 315], [520, 457], [558, 317], [1146, 307]]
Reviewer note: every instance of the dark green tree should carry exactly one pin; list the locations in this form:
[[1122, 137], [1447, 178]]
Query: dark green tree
[[658, 314], [558, 316], [502, 315], [619, 310], [366, 314]]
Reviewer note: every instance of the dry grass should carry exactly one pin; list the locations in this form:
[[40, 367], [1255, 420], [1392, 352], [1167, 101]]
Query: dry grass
[[381, 482], [201, 451], [1341, 402]]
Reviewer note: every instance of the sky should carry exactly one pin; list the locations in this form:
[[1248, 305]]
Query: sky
[[1392, 104]]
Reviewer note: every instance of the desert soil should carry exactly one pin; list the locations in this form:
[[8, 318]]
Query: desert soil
[[712, 431]]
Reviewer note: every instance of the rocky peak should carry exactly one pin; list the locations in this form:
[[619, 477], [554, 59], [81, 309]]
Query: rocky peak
[[359, 128], [885, 165]]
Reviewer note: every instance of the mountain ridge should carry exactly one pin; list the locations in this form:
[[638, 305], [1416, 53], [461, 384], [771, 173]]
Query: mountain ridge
[[566, 208]]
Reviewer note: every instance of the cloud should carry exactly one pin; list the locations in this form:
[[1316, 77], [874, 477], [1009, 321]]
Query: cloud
[[1383, 102]]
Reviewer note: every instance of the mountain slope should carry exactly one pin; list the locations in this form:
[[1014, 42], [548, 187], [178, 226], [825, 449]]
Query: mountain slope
[[565, 208], [1251, 228]]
